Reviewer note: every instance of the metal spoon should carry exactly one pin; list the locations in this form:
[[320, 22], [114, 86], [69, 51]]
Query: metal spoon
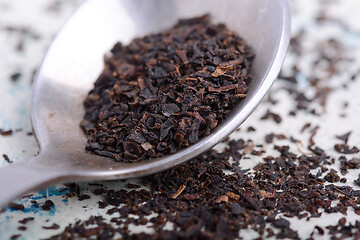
[[74, 60]]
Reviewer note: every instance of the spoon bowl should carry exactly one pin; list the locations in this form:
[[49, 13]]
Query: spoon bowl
[[75, 59]]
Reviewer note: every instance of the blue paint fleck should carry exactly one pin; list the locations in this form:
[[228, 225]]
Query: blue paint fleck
[[50, 191], [4, 123], [302, 80], [42, 194]]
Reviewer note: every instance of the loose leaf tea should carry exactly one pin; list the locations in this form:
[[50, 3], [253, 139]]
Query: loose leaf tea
[[165, 91], [200, 201]]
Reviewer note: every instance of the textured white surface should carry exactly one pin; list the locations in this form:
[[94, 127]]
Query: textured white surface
[[43, 18]]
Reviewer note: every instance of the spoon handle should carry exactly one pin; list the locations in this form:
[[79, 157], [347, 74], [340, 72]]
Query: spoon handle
[[21, 178]]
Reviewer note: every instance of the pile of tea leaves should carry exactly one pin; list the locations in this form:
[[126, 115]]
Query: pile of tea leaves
[[273, 179], [200, 201], [165, 91]]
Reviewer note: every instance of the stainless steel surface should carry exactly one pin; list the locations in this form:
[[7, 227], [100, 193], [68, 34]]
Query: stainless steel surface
[[74, 60]]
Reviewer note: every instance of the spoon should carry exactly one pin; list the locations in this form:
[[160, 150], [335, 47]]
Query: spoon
[[74, 61]]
